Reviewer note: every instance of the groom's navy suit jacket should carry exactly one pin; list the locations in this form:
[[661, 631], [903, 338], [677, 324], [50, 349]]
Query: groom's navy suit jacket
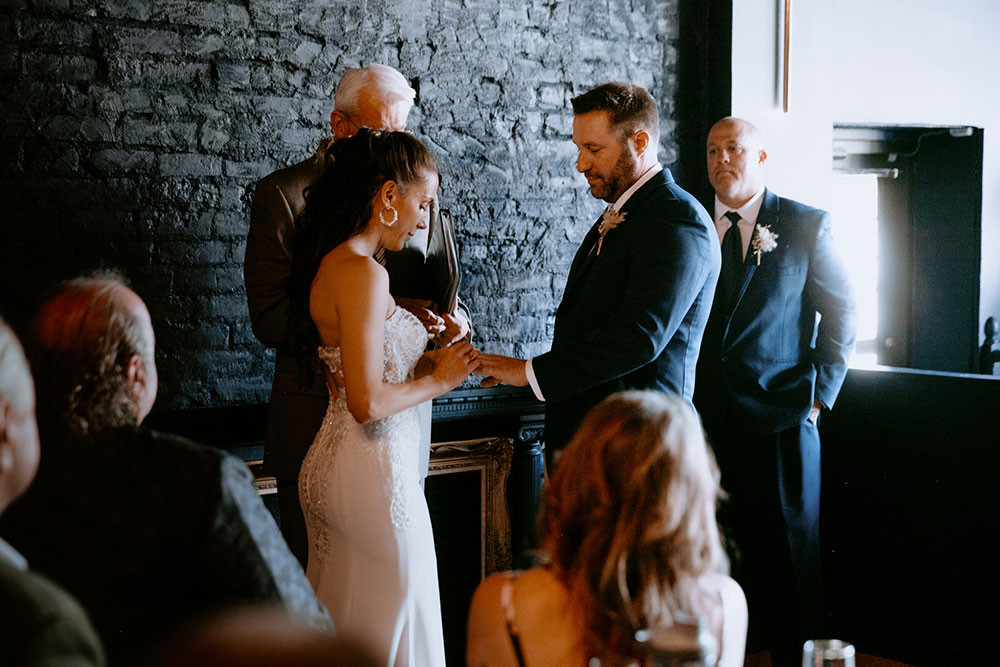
[[774, 360], [633, 316]]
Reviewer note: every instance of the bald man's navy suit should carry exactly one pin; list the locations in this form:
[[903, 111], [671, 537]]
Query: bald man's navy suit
[[763, 362]]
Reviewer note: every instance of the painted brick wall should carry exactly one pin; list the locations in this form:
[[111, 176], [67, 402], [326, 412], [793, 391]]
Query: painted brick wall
[[134, 131]]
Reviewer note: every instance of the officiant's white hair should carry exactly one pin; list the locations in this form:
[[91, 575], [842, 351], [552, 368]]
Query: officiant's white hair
[[380, 82]]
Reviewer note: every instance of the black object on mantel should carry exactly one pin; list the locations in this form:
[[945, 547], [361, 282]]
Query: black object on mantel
[[989, 352]]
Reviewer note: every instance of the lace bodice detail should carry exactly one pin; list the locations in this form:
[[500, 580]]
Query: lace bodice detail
[[405, 341], [390, 445]]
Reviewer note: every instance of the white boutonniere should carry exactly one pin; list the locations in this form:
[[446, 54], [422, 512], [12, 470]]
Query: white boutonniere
[[764, 240], [609, 220]]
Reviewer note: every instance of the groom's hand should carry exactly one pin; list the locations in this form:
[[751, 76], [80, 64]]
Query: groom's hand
[[499, 368]]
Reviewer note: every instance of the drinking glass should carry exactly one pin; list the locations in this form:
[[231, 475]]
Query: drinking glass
[[827, 653]]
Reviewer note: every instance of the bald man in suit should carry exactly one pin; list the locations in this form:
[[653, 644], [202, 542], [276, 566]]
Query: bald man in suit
[[765, 372]]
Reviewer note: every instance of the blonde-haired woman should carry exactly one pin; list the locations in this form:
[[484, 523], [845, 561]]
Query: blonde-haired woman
[[628, 525]]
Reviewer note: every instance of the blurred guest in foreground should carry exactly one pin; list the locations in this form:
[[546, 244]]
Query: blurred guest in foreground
[[144, 528], [40, 624], [254, 636], [628, 526]]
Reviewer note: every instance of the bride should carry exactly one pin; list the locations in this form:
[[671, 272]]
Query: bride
[[371, 550]]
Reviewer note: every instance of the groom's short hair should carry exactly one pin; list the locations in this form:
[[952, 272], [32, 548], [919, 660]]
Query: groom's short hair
[[631, 107]]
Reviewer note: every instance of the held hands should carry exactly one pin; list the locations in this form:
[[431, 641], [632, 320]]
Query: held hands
[[424, 311], [499, 368], [445, 329], [456, 328], [453, 364]]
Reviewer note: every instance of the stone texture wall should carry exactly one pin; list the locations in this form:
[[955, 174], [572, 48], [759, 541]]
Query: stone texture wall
[[134, 131]]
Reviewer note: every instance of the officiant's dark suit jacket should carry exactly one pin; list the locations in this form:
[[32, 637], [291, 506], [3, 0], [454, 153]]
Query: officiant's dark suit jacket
[[633, 316], [762, 363]]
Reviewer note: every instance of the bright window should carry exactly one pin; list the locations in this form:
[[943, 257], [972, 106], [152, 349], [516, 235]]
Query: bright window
[[855, 233]]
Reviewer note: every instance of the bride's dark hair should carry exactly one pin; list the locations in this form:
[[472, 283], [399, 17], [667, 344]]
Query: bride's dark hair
[[339, 207]]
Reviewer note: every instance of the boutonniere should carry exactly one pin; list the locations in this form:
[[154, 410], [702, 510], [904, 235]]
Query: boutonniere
[[764, 240], [609, 220]]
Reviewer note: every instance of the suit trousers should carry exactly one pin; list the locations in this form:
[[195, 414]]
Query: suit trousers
[[771, 517]]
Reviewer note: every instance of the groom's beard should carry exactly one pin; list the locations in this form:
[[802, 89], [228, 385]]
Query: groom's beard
[[610, 187]]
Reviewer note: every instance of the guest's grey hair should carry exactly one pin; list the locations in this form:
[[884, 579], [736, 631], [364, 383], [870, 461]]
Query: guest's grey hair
[[15, 380], [381, 82], [79, 346]]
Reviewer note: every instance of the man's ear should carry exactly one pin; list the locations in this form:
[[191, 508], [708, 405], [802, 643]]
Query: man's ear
[[640, 140], [338, 124], [137, 376]]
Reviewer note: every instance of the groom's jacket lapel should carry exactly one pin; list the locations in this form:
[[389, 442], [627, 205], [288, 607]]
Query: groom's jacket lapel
[[587, 254], [583, 254]]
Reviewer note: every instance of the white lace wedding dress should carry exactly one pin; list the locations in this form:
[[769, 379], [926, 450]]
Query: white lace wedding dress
[[371, 549]]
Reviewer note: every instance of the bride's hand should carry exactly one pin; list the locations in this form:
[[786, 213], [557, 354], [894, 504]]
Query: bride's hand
[[453, 364]]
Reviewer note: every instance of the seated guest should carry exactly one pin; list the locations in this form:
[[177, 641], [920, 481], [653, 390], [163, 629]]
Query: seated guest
[[146, 529], [628, 525], [253, 636], [40, 624]]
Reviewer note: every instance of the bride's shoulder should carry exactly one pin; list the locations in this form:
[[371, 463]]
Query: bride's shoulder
[[350, 272]]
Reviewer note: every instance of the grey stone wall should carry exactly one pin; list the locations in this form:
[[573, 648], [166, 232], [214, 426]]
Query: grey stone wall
[[134, 131]]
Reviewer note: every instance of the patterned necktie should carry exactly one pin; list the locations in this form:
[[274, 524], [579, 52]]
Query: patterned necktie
[[732, 262]]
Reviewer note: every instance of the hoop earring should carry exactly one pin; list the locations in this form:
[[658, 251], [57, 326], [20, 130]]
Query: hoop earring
[[395, 216]]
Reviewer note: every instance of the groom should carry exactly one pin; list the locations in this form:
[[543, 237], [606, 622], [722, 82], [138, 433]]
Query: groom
[[640, 287]]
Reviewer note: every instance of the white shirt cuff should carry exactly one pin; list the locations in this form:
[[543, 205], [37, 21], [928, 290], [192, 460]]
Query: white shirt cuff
[[532, 380]]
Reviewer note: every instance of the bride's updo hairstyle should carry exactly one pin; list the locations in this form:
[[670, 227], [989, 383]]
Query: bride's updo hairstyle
[[338, 207], [628, 519]]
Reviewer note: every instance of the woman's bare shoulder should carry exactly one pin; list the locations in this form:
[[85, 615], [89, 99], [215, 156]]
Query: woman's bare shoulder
[[539, 604], [344, 268], [345, 277]]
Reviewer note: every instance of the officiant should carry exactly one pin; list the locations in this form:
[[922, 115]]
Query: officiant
[[640, 288]]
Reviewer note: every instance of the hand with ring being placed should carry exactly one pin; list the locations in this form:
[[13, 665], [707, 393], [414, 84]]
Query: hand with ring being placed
[[454, 363]]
